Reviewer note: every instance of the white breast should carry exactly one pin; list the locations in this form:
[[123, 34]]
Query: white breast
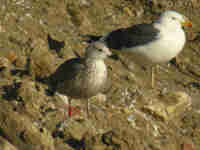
[[167, 46], [99, 72]]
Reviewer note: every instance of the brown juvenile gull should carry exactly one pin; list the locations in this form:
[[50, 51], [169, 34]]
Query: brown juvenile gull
[[82, 78], [151, 43]]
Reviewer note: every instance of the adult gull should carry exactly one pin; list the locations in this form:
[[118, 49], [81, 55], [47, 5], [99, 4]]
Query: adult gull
[[154, 43]]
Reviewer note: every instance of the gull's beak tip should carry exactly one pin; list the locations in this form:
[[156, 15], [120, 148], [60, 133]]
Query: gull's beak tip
[[187, 24]]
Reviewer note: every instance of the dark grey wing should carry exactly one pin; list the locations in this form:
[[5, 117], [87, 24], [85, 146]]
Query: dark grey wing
[[133, 36], [67, 71]]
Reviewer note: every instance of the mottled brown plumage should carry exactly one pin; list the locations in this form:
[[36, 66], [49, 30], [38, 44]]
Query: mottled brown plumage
[[83, 77]]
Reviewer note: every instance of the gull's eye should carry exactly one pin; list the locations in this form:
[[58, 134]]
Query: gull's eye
[[173, 18], [100, 50]]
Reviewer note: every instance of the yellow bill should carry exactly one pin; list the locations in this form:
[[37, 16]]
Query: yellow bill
[[187, 24]]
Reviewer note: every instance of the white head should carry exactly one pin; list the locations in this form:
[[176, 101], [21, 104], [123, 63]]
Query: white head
[[174, 20], [97, 50]]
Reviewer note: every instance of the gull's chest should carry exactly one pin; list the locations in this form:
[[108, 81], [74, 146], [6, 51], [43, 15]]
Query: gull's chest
[[97, 73], [174, 40], [166, 47]]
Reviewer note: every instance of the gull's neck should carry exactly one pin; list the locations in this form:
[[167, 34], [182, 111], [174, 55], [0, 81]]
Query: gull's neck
[[90, 62], [164, 26]]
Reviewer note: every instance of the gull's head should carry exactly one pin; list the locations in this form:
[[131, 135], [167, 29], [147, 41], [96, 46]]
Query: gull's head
[[174, 19], [97, 50]]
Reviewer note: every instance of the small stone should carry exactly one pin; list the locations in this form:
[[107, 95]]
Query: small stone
[[27, 90], [77, 130], [132, 120], [5, 145], [2, 29], [4, 62], [195, 3], [42, 62], [85, 3], [188, 147], [21, 62], [5, 67], [128, 11], [170, 106], [12, 56], [126, 110], [139, 12], [99, 97], [99, 147]]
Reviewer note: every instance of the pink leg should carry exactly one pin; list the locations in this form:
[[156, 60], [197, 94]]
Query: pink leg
[[72, 110]]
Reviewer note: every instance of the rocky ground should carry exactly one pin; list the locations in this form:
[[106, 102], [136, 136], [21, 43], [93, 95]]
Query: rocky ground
[[37, 36]]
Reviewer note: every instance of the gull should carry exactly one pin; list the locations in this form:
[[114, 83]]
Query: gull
[[153, 43], [82, 78]]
